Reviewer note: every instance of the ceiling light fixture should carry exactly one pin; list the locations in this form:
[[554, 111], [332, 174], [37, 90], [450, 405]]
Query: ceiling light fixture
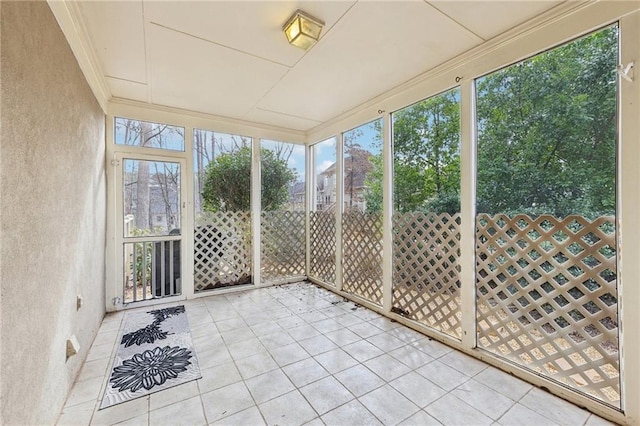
[[302, 30]]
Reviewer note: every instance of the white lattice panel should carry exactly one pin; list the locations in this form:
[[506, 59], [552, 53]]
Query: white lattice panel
[[547, 298], [222, 244], [283, 245], [323, 246], [426, 284], [362, 255]]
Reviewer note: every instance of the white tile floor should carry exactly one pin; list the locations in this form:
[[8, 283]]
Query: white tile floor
[[298, 354]]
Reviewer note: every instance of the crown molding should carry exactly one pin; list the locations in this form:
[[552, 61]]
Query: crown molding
[[183, 117], [68, 15]]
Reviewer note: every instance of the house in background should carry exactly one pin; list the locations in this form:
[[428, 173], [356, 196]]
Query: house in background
[[326, 189], [356, 168]]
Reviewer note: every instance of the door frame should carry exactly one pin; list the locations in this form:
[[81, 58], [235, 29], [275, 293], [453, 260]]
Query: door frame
[[114, 288]]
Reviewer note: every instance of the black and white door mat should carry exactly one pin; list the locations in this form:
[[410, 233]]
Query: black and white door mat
[[155, 353]]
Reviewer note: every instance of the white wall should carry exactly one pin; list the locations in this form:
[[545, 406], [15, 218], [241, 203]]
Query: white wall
[[52, 225]]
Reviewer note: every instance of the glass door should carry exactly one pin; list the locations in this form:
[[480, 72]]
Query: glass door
[[149, 226]]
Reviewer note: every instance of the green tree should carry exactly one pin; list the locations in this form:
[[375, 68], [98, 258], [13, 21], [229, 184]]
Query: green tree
[[426, 147], [547, 132], [426, 158], [227, 182], [276, 180]]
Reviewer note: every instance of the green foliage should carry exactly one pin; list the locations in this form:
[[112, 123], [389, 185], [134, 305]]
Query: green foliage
[[227, 182], [546, 131], [276, 179], [426, 141], [373, 182], [426, 166], [443, 203], [546, 139]]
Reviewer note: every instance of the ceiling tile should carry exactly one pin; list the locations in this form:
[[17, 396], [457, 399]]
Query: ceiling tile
[[373, 48], [281, 120], [230, 58], [194, 74], [254, 27], [117, 35], [490, 18]]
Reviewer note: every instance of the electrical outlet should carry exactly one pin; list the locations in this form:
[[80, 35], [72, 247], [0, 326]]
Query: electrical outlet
[[79, 302]]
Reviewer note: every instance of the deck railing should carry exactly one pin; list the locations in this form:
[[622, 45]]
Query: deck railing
[[546, 290], [222, 244], [547, 298]]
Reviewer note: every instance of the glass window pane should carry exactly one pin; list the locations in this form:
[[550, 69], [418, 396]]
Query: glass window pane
[[322, 221], [362, 216], [148, 135], [546, 228], [426, 221], [283, 176], [426, 155], [222, 172], [283, 210], [325, 169], [362, 163], [222, 186], [151, 198]]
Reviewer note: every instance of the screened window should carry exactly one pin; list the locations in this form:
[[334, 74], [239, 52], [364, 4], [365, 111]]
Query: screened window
[[362, 211], [222, 198], [426, 220], [282, 224], [546, 228]]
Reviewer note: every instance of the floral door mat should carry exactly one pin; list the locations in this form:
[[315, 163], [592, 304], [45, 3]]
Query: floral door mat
[[155, 353]]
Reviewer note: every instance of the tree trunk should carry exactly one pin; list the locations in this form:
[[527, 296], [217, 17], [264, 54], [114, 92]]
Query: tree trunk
[[142, 187]]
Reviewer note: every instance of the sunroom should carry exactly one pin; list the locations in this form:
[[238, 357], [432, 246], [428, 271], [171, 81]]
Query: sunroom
[[427, 213]]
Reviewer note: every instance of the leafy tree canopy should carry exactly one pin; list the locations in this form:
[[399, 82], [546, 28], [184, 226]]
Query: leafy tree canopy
[[546, 129], [546, 139], [227, 184], [426, 165]]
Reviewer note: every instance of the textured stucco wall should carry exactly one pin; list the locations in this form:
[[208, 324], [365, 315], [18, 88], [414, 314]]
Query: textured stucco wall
[[53, 201]]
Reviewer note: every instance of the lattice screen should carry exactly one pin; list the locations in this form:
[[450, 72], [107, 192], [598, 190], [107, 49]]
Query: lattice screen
[[547, 298], [426, 284], [222, 250], [283, 245], [323, 246], [362, 255]]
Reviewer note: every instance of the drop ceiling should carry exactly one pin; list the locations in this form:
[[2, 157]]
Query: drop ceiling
[[231, 59]]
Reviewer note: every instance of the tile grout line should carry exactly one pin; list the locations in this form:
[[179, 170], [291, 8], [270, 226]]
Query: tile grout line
[[309, 313]]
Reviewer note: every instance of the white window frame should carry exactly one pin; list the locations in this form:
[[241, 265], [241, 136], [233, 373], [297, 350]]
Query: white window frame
[[563, 23]]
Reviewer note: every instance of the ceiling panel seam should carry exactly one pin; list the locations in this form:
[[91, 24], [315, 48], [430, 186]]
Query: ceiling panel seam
[[220, 44], [255, 106], [456, 21], [548, 17], [288, 115]]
